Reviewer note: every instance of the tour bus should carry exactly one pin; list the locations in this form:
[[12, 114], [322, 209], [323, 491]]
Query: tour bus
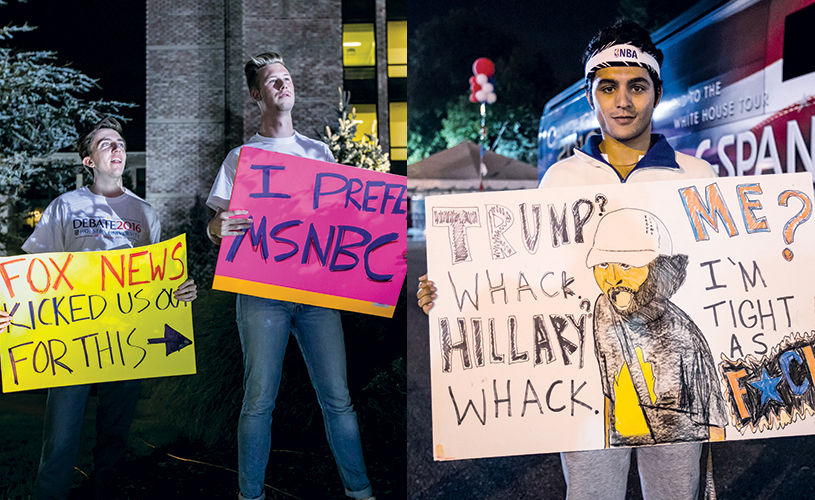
[[739, 90]]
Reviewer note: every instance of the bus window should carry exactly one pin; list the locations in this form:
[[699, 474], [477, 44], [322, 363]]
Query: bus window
[[798, 59]]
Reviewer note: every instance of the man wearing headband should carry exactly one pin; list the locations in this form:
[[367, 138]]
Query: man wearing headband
[[623, 86]]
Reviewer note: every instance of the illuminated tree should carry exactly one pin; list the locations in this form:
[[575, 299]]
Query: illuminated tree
[[339, 135], [40, 114]]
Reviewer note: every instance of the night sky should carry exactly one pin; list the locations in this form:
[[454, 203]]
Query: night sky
[[106, 40], [558, 29], [103, 39]]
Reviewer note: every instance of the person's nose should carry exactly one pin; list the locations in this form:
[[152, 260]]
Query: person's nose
[[615, 278], [623, 99]]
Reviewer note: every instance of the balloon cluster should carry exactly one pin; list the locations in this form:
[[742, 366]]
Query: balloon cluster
[[482, 83]]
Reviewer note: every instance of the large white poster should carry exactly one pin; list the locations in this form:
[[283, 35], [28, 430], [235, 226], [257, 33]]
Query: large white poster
[[620, 315]]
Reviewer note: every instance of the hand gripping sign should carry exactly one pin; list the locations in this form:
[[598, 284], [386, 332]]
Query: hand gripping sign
[[621, 315], [85, 317], [322, 234]]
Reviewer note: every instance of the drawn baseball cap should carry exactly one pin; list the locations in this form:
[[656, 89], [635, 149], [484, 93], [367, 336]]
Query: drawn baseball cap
[[629, 236]]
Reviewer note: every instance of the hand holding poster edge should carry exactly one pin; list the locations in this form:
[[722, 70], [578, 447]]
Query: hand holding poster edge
[[60, 336], [747, 216], [337, 213]]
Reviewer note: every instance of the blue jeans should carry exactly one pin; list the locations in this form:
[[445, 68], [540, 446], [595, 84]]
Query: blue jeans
[[264, 327], [64, 416]]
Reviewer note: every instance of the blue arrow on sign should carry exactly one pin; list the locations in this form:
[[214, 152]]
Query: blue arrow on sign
[[172, 340]]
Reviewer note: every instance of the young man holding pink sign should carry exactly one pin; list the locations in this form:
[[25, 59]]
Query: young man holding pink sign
[[264, 324]]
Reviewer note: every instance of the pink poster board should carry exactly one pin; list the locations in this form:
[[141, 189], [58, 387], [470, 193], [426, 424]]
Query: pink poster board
[[323, 234]]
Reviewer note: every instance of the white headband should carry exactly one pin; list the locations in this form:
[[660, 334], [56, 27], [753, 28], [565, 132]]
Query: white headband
[[628, 55]]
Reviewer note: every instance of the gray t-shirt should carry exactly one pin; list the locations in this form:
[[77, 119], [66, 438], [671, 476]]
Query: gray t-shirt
[[80, 221]]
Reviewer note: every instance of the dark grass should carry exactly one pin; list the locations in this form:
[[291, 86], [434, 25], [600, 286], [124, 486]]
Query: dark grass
[[19, 450], [189, 470]]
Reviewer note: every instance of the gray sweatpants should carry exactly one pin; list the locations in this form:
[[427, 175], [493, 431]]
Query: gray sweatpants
[[667, 472]]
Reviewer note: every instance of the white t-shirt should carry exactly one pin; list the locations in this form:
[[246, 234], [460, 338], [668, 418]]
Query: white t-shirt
[[80, 221], [297, 145]]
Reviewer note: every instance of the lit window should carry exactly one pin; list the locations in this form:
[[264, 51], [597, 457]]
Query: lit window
[[398, 129], [358, 45], [33, 217], [397, 49]]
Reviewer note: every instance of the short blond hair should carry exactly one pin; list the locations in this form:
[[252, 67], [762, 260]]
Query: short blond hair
[[254, 65], [84, 145]]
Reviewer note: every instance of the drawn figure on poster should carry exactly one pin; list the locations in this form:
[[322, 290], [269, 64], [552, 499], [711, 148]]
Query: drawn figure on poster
[[658, 374]]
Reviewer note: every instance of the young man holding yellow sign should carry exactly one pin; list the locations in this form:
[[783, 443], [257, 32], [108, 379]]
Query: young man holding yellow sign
[[63, 228]]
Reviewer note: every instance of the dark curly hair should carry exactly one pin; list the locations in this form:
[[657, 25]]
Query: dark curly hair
[[625, 32]]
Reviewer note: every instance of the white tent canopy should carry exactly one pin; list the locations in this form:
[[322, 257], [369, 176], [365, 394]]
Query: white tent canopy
[[457, 170]]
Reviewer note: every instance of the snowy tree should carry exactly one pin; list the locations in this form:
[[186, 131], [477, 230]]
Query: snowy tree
[[339, 135], [41, 113]]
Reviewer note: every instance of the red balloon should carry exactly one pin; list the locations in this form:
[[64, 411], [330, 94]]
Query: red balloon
[[473, 98], [483, 66], [474, 87]]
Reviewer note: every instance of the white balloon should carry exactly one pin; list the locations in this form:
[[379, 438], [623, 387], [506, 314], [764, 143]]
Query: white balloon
[[481, 79], [491, 98], [487, 87], [481, 95]]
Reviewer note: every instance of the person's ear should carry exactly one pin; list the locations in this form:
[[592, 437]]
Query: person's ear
[[255, 93], [588, 98], [87, 162], [658, 96]]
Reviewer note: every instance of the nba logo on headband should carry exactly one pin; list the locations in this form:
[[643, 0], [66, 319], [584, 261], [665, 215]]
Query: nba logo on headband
[[621, 55]]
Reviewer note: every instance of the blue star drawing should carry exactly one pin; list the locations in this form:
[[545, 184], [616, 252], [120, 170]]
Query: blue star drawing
[[768, 387]]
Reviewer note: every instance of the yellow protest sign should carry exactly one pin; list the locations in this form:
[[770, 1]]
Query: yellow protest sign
[[84, 317]]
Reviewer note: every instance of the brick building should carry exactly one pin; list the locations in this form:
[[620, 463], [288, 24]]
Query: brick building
[[198, 106]]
